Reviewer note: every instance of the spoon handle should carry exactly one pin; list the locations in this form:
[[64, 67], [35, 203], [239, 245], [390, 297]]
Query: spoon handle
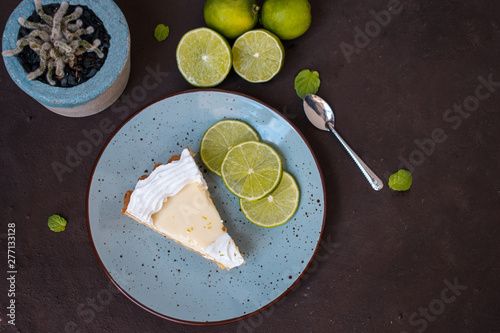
[[372, 178]]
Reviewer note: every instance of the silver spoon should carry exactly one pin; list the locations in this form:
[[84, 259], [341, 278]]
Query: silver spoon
[[320, 114]]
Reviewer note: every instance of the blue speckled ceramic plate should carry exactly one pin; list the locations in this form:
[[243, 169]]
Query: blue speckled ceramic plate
[[165, 278]]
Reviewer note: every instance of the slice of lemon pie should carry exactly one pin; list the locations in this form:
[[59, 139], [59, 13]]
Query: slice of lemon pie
[[174, 201]]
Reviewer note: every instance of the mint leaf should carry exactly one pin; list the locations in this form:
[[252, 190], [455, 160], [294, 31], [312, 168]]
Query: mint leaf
[[161, 32], [57, 223], [307, 82], [401, 180]]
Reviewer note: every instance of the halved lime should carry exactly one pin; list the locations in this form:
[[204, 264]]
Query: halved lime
[[220, 138], [204, 57], [258, 55], [251, 170], [276, 208]]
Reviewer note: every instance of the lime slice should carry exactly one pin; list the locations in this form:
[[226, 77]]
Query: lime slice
[[203, 57], [258, 55], [220, 138], [276, 208], [251, 170]]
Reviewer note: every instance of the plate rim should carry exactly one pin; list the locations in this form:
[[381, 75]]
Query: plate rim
[[189, 322]]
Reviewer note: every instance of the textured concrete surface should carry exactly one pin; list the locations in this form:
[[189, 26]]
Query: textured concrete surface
[[423, 89]]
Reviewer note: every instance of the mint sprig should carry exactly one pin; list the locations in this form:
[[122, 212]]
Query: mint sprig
[[161, 32], [307, 82], [57, 223]]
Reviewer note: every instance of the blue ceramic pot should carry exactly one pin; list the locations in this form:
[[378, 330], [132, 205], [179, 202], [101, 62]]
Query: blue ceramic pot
[[92, 96]]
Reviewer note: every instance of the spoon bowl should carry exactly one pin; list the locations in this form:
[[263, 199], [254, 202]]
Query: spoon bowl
[[321, 115], [318, 112]]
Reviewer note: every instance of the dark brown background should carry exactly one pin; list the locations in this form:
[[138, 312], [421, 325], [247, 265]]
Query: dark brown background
[[385, 255]]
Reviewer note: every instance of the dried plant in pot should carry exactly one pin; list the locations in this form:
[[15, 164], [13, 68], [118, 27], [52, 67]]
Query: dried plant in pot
[[73, 57]]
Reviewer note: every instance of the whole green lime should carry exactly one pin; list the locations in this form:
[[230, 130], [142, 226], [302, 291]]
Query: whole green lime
[[231, 18], [288, 19]]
